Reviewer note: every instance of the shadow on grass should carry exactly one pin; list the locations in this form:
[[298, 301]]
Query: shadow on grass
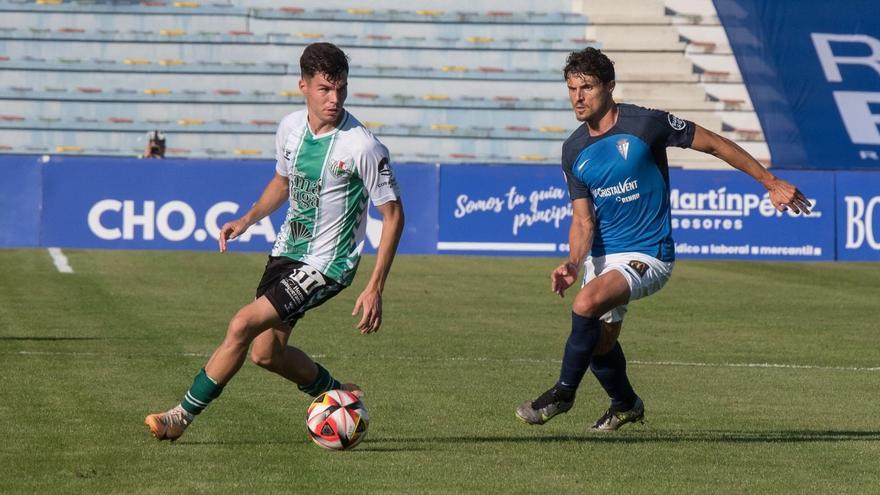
[[650, 436], [50, 338], [364, 447]]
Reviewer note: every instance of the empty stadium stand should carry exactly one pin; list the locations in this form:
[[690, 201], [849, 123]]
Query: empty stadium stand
[[452, 81]]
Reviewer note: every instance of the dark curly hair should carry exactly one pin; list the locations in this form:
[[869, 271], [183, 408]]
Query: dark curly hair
[[589, 62], [324, 58]]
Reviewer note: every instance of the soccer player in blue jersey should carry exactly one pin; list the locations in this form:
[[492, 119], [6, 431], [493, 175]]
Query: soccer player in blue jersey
[[618, 179]]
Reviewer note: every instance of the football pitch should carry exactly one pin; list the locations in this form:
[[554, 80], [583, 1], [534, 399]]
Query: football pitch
[[756, 377]]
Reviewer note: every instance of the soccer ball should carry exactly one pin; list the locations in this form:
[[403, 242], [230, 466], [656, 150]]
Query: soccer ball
[[337, 420]]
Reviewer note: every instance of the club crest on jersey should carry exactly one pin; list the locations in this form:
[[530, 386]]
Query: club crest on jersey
[[623, 147], [675, 122], [342, 168]]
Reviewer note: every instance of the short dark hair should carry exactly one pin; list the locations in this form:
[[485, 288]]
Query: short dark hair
[[589, 62], [324, 58]]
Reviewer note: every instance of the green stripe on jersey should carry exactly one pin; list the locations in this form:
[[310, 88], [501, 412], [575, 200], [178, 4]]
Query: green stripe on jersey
[[305, 190], [345, 260]]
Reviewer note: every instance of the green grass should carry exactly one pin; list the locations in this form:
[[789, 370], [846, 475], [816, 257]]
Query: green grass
[[84, 356]]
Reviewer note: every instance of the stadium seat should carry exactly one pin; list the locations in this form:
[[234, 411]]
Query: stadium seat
[[532, 158], [186, 5], [246, 151], [120, 120], [88, 90], [444, 127], [310, 36], [227, 92], [264, 122], [188, 122], [373, 125], [157, 91], [172, 32], [68, 149], [435, 97], [171, 61], [552, 129], [136, 61], [291, 93]]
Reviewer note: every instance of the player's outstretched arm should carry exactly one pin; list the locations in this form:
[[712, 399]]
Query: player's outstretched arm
[[580, 238], [370, 299], [782, 193], [274, 195]]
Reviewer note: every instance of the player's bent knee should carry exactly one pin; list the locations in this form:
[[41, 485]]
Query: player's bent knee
[[264, 359], [586, 307], [239, 331]]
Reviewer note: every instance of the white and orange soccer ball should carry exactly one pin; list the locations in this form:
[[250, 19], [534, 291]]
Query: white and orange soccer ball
[[337, 420]]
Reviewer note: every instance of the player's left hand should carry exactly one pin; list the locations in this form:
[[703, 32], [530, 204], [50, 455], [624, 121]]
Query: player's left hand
[[785, 195], [370, 301]]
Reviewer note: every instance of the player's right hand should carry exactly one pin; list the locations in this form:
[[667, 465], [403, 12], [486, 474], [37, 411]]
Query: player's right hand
[[563, 277], [230, 231]]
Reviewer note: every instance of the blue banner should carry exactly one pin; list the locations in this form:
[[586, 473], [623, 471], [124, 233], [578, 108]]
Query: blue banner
[[812, 69], [152, 204], [858, 216], [419, 188], [728, 215], [20, 199], [498, 209], [117, 203], [181, 204]]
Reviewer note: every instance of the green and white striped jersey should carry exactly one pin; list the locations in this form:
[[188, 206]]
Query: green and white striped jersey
[[331, 177]]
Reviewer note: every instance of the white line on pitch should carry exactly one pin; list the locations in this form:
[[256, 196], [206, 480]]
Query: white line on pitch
[[509, 360], [60, 260]]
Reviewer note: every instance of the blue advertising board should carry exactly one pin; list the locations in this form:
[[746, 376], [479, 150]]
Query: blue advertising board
[[858, 216], [715, 214], [729, 215], [20, 199], [181, 204], [498, 209], [150, 204], [113, 203], [812, 69]]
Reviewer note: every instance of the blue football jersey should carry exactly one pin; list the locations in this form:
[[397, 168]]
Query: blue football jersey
[[625, 173]]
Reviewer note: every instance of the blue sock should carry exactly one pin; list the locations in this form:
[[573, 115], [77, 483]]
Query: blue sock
[[610, 370], [578, 349]]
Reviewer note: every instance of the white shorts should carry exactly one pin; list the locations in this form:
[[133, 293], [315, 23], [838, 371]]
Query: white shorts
[[644, 274]]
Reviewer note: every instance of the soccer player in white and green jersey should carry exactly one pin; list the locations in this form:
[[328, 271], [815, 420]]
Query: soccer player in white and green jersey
[[327, 167]]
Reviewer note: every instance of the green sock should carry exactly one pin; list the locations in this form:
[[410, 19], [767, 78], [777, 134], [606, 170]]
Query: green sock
[[202, 392], [323, 382]]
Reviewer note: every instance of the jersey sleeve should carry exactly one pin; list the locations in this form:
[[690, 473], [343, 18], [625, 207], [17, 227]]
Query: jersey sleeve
[[374, 168], [674, 131], [280, 138], [576, 187]]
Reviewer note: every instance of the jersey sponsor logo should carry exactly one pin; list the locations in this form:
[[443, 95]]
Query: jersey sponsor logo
[[640, 267], [304, 191], [623, 147], [299, 231], [623, 187], [342, 168], [384, 167], [675, 122]]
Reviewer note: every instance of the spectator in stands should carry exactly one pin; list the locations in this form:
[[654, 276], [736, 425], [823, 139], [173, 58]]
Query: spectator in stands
[[618, 179], [328, 165], [155, 147]]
